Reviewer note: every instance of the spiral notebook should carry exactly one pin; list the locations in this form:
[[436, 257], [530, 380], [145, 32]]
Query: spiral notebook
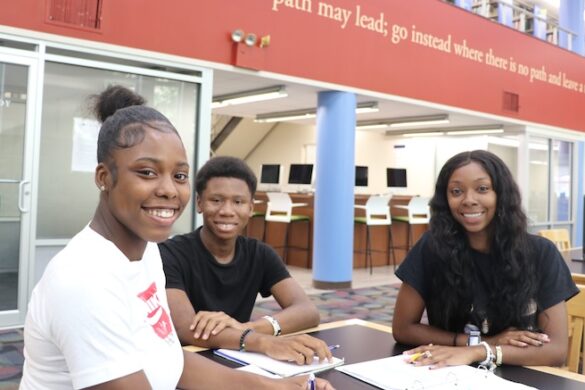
[[395, 373], [280, 368]]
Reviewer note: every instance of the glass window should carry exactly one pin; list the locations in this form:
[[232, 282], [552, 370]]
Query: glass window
[[506, 148], [67, 192], [538, 166], [561, 163], [13, 105]]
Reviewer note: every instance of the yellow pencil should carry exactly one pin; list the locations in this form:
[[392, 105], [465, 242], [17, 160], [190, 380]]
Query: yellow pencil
[[414, 357]]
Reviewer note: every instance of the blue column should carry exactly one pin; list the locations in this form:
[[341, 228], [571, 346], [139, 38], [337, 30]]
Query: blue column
[[579, 175], [334, 185], [571, 18]]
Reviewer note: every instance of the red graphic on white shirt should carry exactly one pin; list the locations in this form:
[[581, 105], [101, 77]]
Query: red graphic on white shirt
[[157, 316]]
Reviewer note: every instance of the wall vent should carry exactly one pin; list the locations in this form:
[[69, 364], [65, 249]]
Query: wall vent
[[84, 14], [511, 101]]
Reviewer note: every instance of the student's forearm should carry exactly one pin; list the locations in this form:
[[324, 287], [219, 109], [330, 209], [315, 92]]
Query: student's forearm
[[549, 354], [228, 338], [182, 324], [292, 319], [419, 334], [201, 373]]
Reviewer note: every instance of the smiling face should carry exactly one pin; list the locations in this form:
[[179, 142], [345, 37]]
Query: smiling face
[[148, 192], [472, 201], [226, 206]]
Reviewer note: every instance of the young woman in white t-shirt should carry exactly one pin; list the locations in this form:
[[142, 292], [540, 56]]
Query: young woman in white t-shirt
[[99, 317]]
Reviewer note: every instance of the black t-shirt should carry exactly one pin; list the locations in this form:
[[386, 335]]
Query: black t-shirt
[[212, 286], [554, 279]]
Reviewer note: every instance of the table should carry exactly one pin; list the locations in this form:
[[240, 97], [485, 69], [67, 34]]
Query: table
[[362, 340], [576, 267]]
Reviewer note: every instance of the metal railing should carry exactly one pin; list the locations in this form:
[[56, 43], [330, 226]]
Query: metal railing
[[524, 18]]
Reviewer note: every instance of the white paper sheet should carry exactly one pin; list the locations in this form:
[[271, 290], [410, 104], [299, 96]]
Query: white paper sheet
[[395, 373], [283, 369]]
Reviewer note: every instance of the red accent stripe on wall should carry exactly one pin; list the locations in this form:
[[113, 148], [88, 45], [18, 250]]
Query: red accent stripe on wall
[[422, 49]]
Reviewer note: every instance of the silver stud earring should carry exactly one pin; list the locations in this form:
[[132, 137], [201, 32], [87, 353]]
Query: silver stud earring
[[102, 188]]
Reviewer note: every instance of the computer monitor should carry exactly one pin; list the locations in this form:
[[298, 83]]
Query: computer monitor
[[270, 174], [361, 176], [396, 177], [300, 174]]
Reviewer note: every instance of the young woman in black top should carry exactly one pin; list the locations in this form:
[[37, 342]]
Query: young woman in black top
[[477, 268]]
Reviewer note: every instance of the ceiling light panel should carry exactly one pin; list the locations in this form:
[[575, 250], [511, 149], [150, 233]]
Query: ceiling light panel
[[256, 95]]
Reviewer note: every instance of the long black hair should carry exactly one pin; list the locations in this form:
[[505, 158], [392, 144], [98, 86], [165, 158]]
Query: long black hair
[[513, 285]]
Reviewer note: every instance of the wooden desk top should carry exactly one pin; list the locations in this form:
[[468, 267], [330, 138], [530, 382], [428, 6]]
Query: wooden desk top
[[362, 340], [576, 267]]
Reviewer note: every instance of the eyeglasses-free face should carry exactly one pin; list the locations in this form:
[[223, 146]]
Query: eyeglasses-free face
[[226, 205], [150, 190], [473, 201]]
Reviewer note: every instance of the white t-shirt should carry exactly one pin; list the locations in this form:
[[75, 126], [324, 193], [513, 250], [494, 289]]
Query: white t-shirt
[[96, 316]]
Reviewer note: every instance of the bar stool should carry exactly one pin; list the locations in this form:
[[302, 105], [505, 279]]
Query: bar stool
[[419, 213], [279, 209], [377, 214]]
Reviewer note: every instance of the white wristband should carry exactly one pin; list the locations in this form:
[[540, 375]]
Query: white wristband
[[489, 357], [499, 355], [275, 325]]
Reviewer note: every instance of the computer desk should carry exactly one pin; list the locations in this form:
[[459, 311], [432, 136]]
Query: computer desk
[[298, 235], [362, 340]]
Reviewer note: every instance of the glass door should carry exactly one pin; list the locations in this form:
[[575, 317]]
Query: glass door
[[15, 185]]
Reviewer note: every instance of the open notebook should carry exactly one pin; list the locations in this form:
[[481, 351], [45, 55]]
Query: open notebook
[[280, 368], [395, 373]]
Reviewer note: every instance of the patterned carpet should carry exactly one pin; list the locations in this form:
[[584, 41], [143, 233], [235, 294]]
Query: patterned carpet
[[374, 304], [11, 359]]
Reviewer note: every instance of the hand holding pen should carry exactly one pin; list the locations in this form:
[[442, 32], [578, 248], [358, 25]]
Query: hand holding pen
[[301, 382], [419, 355], [317, 383], [333, 347], [436, 356]]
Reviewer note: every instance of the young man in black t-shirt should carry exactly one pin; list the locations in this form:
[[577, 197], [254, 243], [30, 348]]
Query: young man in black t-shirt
[[214, 275]]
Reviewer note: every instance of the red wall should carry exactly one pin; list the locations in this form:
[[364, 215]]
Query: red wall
[[312, 46]]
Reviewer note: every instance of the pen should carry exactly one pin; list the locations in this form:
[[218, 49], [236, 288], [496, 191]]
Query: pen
[[332, 347], [311, 382], [415, 356]]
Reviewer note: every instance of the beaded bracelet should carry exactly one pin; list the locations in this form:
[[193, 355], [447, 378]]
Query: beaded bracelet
[[243, 338]]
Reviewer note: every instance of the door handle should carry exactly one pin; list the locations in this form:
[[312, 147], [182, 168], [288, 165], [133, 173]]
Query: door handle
[[22, 192]]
